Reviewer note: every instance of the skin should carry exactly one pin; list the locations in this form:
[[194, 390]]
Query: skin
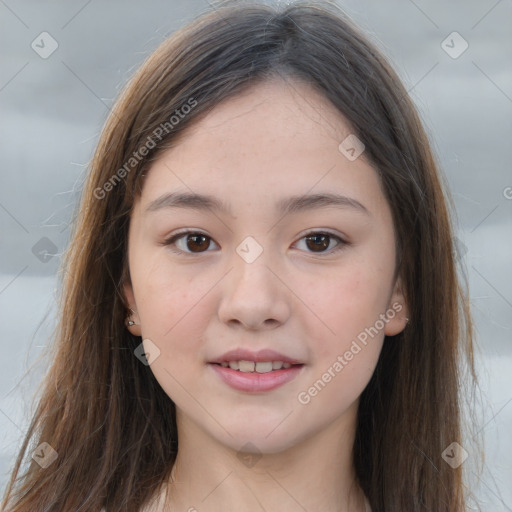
[[275, 140]]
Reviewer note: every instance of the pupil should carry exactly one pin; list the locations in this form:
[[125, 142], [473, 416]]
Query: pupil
[[195, 237], [325, 243]]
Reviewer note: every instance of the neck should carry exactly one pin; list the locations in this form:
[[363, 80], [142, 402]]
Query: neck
[[315, 475]]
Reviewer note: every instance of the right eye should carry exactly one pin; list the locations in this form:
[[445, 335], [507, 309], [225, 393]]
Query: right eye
[[188, 242]]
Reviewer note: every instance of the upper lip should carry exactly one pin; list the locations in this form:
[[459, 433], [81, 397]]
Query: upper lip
[[242, 354]]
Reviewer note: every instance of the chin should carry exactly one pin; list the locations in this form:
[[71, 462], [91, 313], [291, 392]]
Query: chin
[[255, 442], [260, 436]]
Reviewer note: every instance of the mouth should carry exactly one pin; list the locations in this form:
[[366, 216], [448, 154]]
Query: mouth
[[256, 366], [256, 376]]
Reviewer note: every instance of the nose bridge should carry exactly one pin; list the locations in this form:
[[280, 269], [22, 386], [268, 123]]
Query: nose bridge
[[251, 263], [253, 294], [250, 250]]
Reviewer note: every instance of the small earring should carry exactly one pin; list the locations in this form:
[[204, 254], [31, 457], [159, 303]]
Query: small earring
[[131, 322], [406, 320]]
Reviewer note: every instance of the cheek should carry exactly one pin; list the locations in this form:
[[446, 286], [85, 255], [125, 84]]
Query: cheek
[[344, 359], [171, 304], [172, 308], [349, 301]]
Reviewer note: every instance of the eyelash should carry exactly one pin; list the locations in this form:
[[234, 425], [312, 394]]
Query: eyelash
[[171, 241]]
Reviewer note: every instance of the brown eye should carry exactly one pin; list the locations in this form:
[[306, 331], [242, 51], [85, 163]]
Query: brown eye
[[197, 242], [192, 242], [319, 242], [188, 242]]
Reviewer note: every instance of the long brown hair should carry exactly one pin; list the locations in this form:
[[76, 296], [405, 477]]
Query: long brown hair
[[104, 413]]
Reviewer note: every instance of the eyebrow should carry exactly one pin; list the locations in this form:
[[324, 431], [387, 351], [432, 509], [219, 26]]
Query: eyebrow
[[289, 205]]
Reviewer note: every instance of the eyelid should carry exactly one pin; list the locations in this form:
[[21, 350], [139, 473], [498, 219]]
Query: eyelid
[[170, 240], [342, 242]]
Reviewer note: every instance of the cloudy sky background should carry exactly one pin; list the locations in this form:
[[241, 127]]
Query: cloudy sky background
[[52, 110]]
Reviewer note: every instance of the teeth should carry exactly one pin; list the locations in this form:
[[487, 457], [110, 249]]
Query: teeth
[[246, 366], [259, 367], [264, 367]]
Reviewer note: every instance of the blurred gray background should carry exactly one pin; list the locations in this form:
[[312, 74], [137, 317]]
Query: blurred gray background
[[63, 64]]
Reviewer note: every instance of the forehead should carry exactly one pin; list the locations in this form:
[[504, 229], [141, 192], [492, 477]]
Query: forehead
[[281, 109], [277, 138]]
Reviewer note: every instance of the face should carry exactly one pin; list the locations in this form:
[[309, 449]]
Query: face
[[265, 273]]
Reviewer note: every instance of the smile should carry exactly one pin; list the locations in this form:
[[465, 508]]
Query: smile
[[252, 366], [254, 377]]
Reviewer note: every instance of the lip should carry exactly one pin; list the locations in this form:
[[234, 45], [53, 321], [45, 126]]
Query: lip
[[256, 382], [241, 354]]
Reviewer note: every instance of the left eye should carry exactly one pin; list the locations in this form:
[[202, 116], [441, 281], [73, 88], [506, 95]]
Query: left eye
[[196, 242], [319, 241]]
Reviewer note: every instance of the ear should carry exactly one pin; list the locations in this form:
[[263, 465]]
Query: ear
[[132, 315], [397, 312]]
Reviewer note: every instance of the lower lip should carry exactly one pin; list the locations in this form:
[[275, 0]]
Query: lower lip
[[254, 382]]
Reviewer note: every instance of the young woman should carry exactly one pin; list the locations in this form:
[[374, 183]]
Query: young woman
[[260, 308]]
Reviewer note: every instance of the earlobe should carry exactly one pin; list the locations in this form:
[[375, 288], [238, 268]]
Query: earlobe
[[397, 312], [132, 321]]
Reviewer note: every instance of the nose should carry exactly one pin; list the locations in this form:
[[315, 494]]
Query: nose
[[254, 295]]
